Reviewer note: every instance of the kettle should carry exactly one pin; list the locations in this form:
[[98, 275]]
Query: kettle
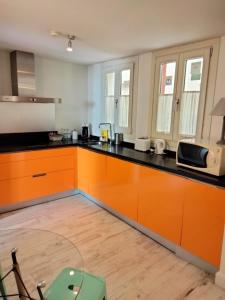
[[160, 146]]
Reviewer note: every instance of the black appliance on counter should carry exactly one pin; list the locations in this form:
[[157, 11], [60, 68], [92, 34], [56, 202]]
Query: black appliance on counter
[[85, 132]]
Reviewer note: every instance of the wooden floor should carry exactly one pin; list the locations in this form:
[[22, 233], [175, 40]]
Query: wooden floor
[[134, 266]]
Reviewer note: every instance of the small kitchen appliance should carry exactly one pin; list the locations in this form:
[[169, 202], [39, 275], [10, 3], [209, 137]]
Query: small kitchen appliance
[[85, 132], [118, 138], [74, 135], [160, 146], [142, 144], [201, 157]]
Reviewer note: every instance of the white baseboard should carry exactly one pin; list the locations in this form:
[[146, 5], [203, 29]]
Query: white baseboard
[[220, 279]]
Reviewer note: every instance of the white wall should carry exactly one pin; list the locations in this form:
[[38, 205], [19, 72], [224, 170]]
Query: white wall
[[219, 91], [145, 88], [94, 97], [69, 82], [54, 78]]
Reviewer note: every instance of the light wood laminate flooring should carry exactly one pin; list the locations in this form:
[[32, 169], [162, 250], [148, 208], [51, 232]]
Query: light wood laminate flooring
[[134, 266]]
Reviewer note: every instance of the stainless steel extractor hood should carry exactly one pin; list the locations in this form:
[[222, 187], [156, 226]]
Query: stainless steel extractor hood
[[23, 80]]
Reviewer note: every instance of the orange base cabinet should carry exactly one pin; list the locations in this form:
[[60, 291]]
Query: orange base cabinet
[[203, 222], [161, 200], [28, 175], [91, 172], [121, 188], [17, 190]]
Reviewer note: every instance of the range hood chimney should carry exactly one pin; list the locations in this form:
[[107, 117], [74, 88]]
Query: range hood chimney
[[23, 80], [22, 73]]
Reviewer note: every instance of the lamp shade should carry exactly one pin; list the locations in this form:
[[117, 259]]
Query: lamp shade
[[219, 108]]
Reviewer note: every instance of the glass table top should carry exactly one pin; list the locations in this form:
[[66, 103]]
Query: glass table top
[[42, 256]]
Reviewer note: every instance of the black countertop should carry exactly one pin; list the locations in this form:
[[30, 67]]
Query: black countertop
[[161, 162]]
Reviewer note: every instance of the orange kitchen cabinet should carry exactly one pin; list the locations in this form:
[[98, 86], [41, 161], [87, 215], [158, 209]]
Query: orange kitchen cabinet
[[91, 172], [203, 221], [17, 190], [18, 180], [36, 154], [24, 168], [121, 187], [161, 199]]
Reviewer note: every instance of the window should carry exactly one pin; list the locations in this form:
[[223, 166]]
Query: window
[[118, 97], [179, 94]]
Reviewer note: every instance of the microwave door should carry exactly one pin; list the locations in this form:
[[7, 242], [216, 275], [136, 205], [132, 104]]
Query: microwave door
[[193, 155]]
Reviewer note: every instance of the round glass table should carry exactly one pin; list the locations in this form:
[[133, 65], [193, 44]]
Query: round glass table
[[38, 264]]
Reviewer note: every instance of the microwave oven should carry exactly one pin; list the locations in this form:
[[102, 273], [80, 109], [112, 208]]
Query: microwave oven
[[201, 157]]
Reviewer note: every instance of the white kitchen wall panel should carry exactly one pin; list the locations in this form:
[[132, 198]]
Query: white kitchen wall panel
[[26, 117]]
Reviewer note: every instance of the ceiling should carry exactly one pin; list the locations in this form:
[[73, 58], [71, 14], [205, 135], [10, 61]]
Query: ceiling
[[107, 29]]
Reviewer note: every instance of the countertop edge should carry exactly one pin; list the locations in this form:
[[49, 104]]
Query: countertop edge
[[184, 172]]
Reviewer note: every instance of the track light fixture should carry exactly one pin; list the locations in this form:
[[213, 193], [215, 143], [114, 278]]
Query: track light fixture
[[70, 38], [69, 45]]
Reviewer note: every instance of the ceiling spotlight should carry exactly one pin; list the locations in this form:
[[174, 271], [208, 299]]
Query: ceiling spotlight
[[70, 38], [69, 45]]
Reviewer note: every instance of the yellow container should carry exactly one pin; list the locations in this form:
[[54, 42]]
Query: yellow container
[[104, 135]]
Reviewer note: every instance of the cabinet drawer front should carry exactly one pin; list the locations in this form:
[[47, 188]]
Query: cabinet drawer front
[[27, 188], [35, 154], [25, 168]]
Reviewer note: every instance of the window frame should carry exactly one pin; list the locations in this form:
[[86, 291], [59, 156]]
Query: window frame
[[179, 55], [159, 61], [205, 53], [117, 69]]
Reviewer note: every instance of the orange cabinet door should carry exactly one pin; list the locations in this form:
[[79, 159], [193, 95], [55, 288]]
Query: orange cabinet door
[[161, 203], [121, 188], [203, 222], [17, 190], [91, 172]]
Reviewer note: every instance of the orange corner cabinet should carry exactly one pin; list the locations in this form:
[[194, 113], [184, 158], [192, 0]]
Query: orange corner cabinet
[[203, 221], [91, 172], [32, 174], [161, 200], [121, 187]]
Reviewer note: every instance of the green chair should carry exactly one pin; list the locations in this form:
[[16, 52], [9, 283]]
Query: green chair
[[2, 286], [73, 284], [70, 284]]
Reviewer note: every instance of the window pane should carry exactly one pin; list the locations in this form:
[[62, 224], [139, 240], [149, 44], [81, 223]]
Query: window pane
[[110, 84], [167, 78], [124, 99], [125, 83], [165, 98], [110, 109], [193, 74], [190, 96], [123, 111], [110, 91]]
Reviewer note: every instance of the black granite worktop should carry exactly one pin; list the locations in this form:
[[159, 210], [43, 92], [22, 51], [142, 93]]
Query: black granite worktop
[[165, 162]]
